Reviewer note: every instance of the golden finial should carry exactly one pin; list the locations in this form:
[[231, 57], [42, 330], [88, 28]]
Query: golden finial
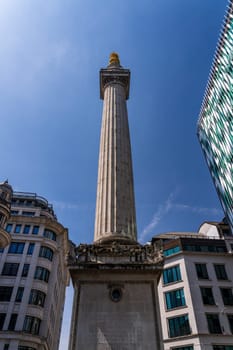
[[114, 58]]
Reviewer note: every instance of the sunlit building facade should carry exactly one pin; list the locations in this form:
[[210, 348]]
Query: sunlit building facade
[[33, 276], [215, 125]]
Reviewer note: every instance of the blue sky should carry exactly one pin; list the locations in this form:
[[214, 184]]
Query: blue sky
[[50, 55]]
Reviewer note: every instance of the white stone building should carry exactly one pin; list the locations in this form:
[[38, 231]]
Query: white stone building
[[195, 290], [33, 276]]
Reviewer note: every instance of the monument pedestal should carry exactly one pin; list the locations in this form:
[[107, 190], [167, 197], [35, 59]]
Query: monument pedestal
[[115, 302]]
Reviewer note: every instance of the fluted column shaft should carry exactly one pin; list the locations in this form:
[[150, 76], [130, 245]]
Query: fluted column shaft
[[115, 206]]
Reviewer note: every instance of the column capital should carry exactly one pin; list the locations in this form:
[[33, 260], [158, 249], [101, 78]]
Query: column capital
[[114, 75]]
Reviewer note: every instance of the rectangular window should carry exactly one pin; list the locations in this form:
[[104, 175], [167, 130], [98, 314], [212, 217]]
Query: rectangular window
[[17, 228], [19, 294], [16, 248], [25, 270], [10, 269], [42, 274], [22, 347], [188, 347], [207, 296], [178, 326], [171, 251], [222, 347], [171, 274], [37, 297], [46, 252], [5, 293], [8, 228], [12, 323], [220, 272], [30, 248], [213, 323], [230, 320], [227, 296], [50, 234], [26, 229], [28, 213], [2, 320], [201, 270], [6, 346], [35, 230], [175, 298], [31, 325]]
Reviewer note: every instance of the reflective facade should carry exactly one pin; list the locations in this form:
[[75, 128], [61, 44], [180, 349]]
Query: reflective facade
[[215, 125]]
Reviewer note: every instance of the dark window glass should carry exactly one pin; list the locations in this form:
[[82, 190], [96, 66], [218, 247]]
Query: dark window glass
[[2, 320], [175, 298], [12, 323], [207, 296], [25, 270], [227, 296], [35, 230], [46, 253], [5, 293], [171, 274], [16, 248], [28, 213], [213, 323], [31, 325], [220, 272], [37, 297], [26, 229], [171, 251], [50, 234], [10, 269], [222, 347], [42, 274], [178, 326], [1, 249], [22, 347], [8, 228], [6, 346], [201, 270], [19, 294], [230, 320], [14, 212], [30, 248], [17, 228]]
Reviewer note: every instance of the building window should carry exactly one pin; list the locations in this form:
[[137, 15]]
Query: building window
[[37, 297], [35, 230], [207, 296], [31, 325], [28, 213], [25, 270], [222, 347], [171, 274], [227, 296], [22, 347], [9, 228], [12, 323], [50, 234], [17, 228], [230, 320], [171, 251], [5, 293], [2, 320], [14, 212], [10, 269], [46, 253], [175, 298], [6, 346], [26, 229], [19, 295], [42, 274], [188, 347], [220, 272], [30, 248], [178, 326], [201, 270], [16, 248], [213, 323]]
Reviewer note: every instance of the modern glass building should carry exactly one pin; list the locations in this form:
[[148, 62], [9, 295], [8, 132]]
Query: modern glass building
[[215, 125]]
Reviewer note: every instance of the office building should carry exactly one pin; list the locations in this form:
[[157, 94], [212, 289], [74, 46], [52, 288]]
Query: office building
[[33, 276], [196, 299], [215, 125]]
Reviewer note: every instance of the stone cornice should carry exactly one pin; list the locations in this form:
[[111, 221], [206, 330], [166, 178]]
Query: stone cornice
[[114, 76]]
